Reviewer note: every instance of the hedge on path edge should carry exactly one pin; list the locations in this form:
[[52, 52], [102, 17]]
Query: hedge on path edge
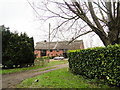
[[100, 62]]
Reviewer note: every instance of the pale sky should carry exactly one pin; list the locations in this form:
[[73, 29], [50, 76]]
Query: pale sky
[[20, 17]]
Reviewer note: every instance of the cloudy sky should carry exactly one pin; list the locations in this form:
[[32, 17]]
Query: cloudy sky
[[20, 17]]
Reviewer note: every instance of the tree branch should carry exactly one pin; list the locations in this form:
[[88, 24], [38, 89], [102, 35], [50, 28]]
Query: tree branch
[[78, 37], [118, 13], [100, 7], [95, 18]]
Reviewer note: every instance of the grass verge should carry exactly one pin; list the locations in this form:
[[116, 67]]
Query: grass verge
[[61, 78], [51, 63]]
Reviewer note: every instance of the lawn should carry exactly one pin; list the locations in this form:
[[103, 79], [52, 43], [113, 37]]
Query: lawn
[[6, 71], [61, 78]]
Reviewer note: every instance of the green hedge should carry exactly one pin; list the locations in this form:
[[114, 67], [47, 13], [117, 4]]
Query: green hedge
[[99, 62], [16, 49]]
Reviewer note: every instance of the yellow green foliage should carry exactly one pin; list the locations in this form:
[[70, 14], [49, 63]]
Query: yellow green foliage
[[99, 62]]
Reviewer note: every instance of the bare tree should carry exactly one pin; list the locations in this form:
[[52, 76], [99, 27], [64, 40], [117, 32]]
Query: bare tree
[[102, 17]]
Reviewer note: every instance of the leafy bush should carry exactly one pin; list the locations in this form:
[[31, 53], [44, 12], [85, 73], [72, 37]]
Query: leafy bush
[[51, 57], [42, 58], [100, 62], [17, 49], [45, 57]]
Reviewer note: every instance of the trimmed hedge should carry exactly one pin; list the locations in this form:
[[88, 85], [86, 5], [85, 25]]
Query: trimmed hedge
[[99, 62]]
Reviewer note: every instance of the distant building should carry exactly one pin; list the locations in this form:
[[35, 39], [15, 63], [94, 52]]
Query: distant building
[[57, 48]]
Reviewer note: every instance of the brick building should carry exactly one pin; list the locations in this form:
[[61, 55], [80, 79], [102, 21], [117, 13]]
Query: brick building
[[57, 48]]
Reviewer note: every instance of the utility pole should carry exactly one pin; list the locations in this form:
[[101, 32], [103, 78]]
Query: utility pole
[[49, 45]]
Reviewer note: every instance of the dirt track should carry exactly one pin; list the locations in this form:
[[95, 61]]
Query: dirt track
[[11, 80]]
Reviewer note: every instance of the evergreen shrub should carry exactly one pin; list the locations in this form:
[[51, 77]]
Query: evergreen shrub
[[16, 49]]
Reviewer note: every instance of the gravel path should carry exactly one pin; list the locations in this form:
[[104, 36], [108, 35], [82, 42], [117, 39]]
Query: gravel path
[[12, 80]]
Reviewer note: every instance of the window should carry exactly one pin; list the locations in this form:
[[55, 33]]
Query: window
[[36, 55], [43, 52], [57, 50], [50, 50], [64, 50]]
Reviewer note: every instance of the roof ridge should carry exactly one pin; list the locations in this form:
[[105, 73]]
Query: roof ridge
[[58, 41], [59, 45]]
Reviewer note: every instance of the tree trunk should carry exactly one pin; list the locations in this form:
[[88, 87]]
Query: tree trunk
[[114, 30], [104, 39]]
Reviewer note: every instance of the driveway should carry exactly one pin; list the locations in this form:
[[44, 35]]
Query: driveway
[[12, 80]]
